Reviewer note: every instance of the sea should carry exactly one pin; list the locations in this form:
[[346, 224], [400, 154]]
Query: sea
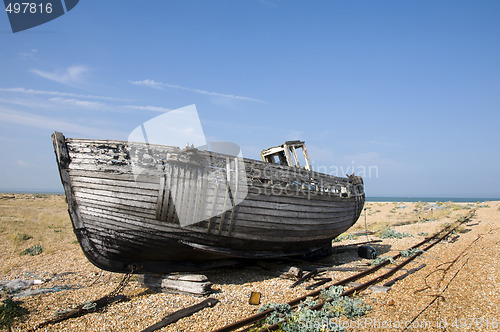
[[368, 198], [430, 199]]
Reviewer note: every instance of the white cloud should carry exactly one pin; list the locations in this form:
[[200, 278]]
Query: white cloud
[[29, 54], [57, 93], [148, 83], [69, 76], [44, 122], [34, 99], [78, 103], [149, 108], [25, 102], [161, 85]]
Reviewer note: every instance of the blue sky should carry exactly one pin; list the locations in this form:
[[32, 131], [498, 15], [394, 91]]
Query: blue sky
[[409, 90]]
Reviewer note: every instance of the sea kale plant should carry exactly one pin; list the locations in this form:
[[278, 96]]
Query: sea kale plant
[[389, 233], [304, 319], [9, 311]]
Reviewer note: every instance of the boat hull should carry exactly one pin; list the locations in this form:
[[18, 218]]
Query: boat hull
[[159, 209]]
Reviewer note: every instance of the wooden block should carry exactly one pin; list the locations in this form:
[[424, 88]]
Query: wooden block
[[293, 273], [195, 284]]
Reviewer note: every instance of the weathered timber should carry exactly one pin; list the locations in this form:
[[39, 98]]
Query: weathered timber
[[164, 209], [305, 277], [174, 317], [192, 284], [82, 310], [320, 282], [293, 273]]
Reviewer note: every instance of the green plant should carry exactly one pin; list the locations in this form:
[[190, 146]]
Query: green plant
[[447, 224], [307, 320], [382, 259], [345, 236], [281, 311], [347, 306], [389, 233], [20, 237], [10, 310], [411, 252], [32, 251], [331, 293], [423, 234]]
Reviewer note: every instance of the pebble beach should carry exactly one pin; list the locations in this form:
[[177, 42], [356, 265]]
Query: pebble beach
[[457, 289]]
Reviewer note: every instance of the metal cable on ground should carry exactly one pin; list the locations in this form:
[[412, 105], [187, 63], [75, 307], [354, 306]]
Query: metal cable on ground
[[445, 270], [259, 316], [436, 296], [90, 306], [373, 281], [451, 263]]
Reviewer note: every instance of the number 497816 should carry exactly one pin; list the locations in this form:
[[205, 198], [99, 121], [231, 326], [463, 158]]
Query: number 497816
[[28, 8]]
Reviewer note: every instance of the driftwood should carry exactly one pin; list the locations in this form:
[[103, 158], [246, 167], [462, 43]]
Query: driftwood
[[193, 284], [174, 317], [293, 273], [321, 282], [82, 310], [306, 276]]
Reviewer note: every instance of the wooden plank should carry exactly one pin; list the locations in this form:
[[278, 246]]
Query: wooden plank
[[115, 194], [63, 162], [122, 176], [116, 200], [283, 221], [284, 194], [112, 223], [84, 178], [296, 158], [166, 197], [192, 184], [186, 189], [203, 200], [173, 194], [131, 210], [224, 209], [110, 188], [274, 172], [174, 317], [212, 210], [286, 205]]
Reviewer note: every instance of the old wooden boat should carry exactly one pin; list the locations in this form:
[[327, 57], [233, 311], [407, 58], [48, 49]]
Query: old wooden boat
[[158, 209]]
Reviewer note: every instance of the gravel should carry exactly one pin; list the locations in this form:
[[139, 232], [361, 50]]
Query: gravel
[[457, 288]]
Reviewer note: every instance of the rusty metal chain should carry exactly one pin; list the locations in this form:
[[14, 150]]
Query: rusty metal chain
[[123, 283]]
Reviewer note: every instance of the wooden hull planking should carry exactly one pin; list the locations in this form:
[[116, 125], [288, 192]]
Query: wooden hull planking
[[127, 202]]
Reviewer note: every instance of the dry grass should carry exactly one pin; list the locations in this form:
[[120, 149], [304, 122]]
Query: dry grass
[[46, 220], [28, 220]]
